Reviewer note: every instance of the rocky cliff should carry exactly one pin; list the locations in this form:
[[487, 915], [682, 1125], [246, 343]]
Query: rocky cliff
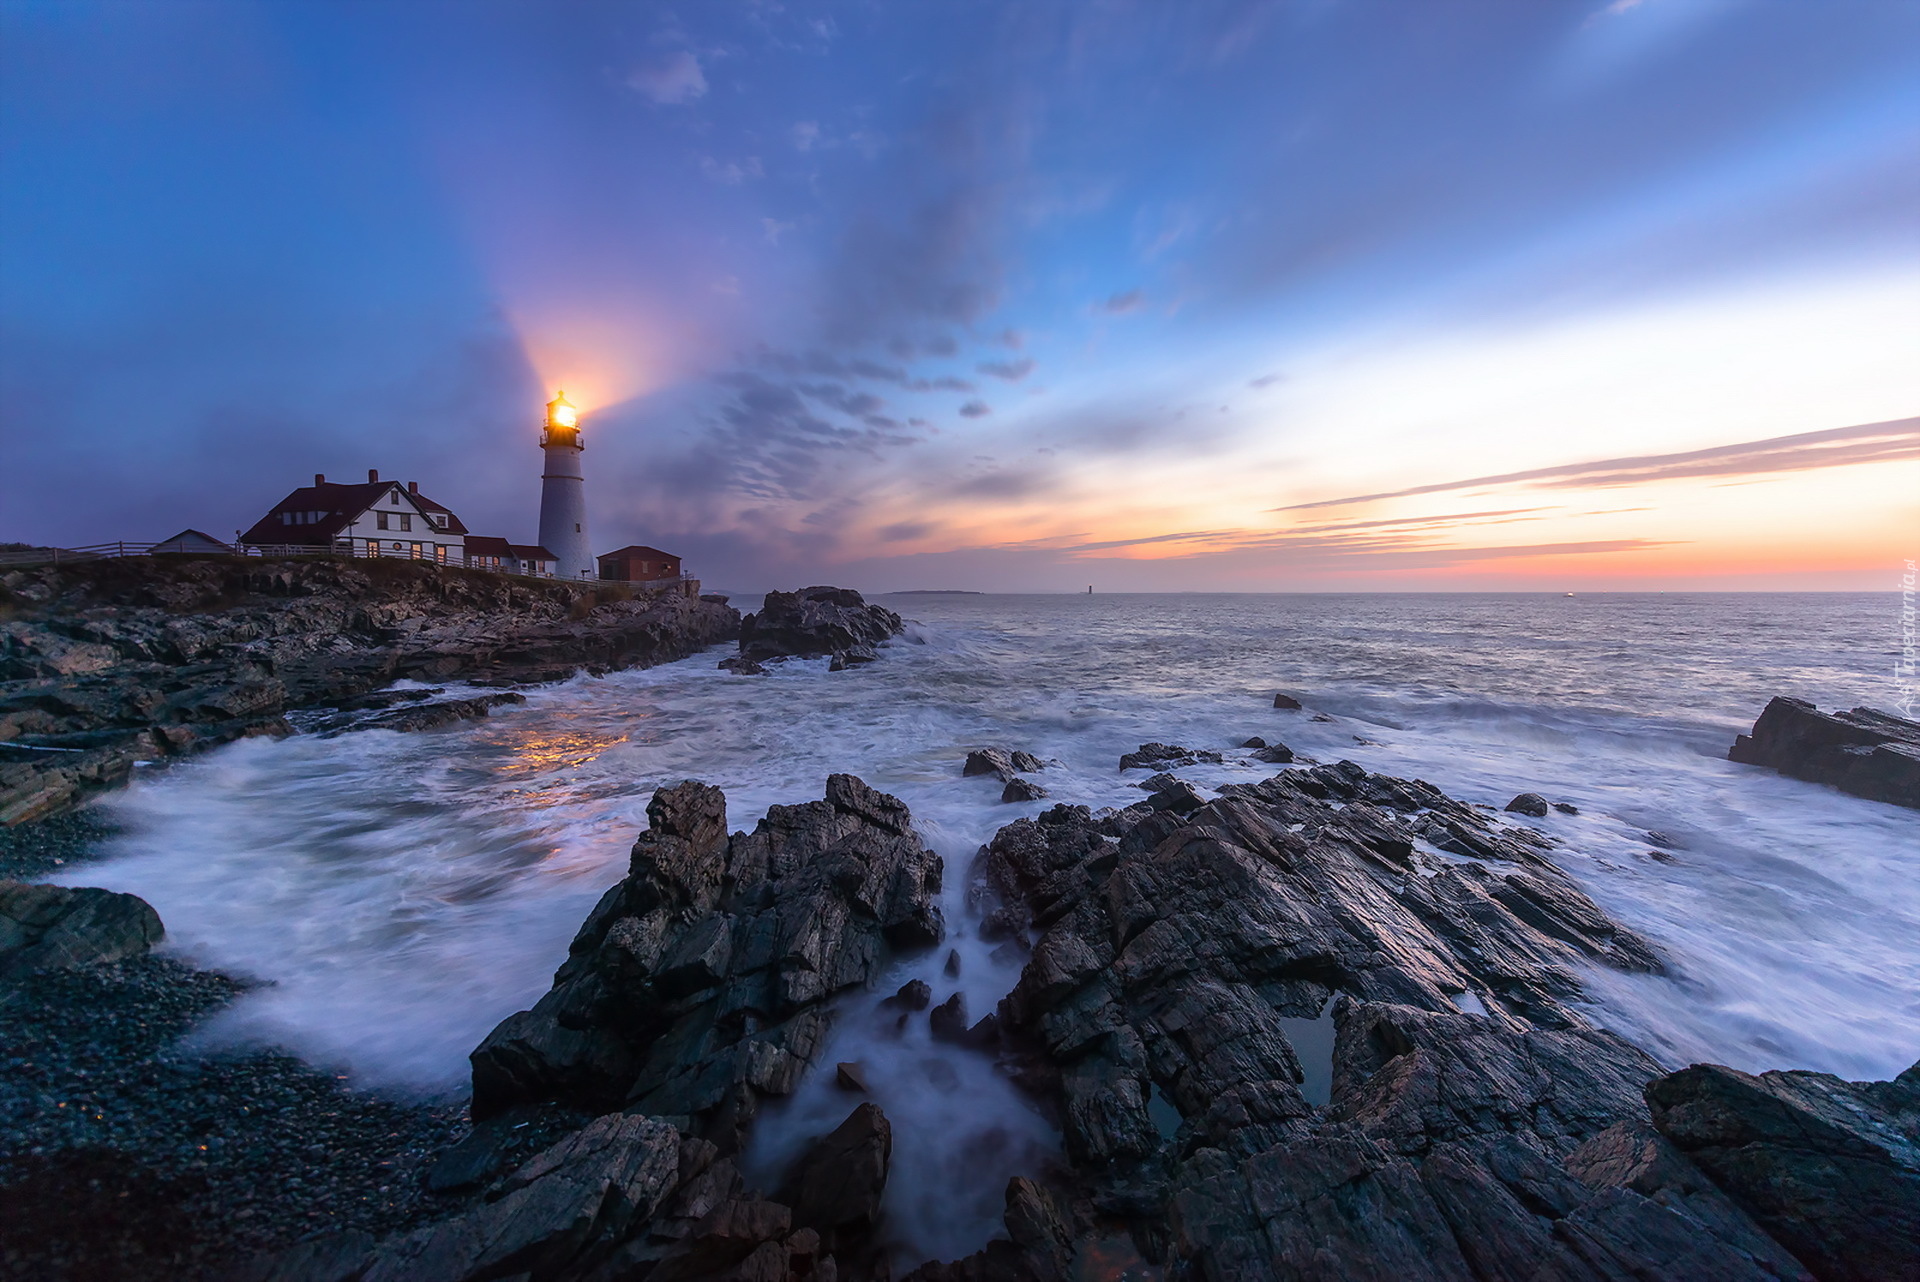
[[1870, 754], [110, 662]]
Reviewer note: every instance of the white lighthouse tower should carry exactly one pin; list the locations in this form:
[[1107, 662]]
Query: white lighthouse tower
[[563, 493]]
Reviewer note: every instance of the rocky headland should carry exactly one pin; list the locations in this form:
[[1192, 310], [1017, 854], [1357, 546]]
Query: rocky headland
[[814, 622], [1325, 1025], [106, 663]]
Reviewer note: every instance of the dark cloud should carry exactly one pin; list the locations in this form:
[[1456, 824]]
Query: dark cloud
[[1004, 485], [1806, 451], [1267, 380], [941, 345], [975, 409], [1012, 371], [906, 531]]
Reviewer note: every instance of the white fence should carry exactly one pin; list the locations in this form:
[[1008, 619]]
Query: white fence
[[112, 551]]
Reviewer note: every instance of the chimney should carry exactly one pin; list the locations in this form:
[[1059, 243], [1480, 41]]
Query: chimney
[[413, 487], [319, 478], [372, 475]]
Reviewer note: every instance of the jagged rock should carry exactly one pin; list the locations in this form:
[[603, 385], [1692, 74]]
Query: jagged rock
[[948, 1021], [59, 927], [742, 667], [552, 1217], [1566, 807], [817, 621], [1000, 763], [701, 982], [1829, 1168], [1018, 789], [1160, 756], [1178, 795], [1286, 701], [850, 1076], [836, 1186], [1867, 753], [1176, 994], [1278, 754], [915, 994], [429, 716], [1530, 804]]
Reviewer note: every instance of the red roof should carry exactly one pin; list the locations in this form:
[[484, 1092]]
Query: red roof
[[638, 550], [487, 545], [342, 505], [532, 552]]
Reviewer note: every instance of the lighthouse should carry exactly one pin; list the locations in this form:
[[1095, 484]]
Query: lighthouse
[[563, 493]]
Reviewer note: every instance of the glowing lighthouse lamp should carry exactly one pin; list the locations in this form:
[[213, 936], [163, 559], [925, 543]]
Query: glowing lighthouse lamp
[[563, 493]]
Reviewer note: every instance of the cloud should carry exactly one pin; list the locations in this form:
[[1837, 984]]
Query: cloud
[[1011, 338], [1131, 300], [1012, 371], [1266, 380], [673, 80], [906, 531], [775, 229], [730, 173], [1804, 452], [806, 135], [975, 409]]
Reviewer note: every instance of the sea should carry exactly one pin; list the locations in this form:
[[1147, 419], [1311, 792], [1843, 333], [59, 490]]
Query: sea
[[399, 894]]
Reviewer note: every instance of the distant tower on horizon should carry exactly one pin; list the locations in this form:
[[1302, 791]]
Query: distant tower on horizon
[[563, 493]]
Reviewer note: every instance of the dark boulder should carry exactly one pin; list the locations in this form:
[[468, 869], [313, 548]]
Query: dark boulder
[[915, 994], [1867, 753], [836, 1186], [1000, 763], [948, 1020], [1255, 742], [817, 621], [1531, 804], [1278, 754], [1829, 1168], [702, 982], [1018, 789], [1566, 807], [1286, 701], [742, 667], [1162, 756], [60, 927]]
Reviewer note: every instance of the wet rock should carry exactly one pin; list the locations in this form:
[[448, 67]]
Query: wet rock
[[1018, 789], [428, 716], [742, 667], [1255, 742], [1001, 763], [1829, 1168], [1531, 804], [1867, 753], [702, 982], [1286, 701], [1179, 796], [570, 1203], [1171, 1012], [849, 1076], [915, 994], [817, 621], [1566, 807], [1275, 754], [948, 1021], [1163, 756], [952, 969], [59, 927], [836, 1186]]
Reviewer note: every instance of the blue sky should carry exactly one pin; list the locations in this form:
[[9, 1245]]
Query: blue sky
[[1024, 296]]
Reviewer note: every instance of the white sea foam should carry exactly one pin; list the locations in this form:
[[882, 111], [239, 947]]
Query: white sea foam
[[402, 893]]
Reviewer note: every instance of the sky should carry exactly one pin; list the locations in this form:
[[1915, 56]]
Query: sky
[[1291, 295]]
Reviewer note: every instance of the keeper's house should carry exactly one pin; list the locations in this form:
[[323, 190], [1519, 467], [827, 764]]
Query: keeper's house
[[378, 518], [637, 564]]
